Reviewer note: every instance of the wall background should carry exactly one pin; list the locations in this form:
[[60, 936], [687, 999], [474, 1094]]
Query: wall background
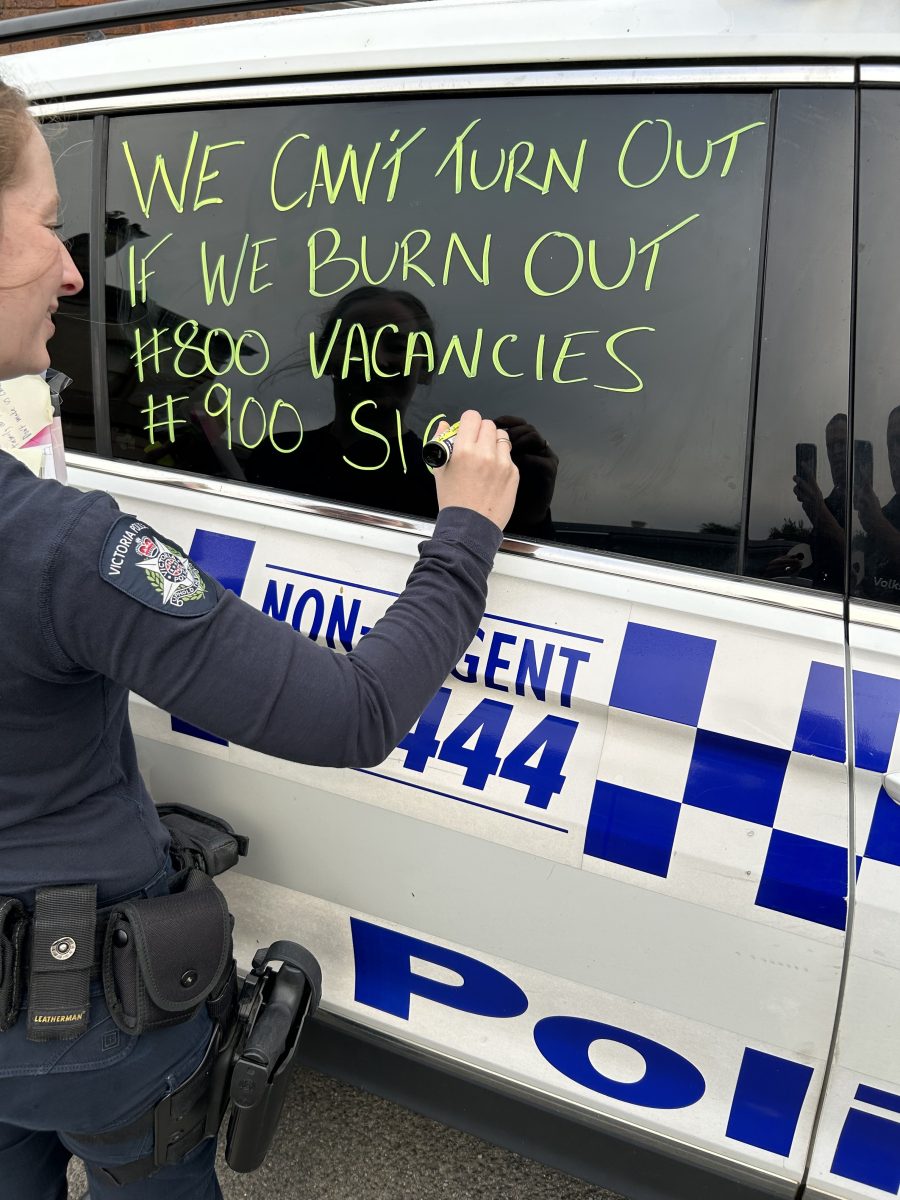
[[28, 8]]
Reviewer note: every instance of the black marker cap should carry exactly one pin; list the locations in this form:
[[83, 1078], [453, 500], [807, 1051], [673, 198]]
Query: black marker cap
[[437, 453]]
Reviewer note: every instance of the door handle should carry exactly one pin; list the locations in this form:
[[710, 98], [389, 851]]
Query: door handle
[[892, 786]]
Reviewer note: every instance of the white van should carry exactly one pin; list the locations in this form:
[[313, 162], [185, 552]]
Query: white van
[[628, 895]]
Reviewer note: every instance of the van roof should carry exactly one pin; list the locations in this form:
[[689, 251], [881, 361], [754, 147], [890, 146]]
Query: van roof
[[466, 34]]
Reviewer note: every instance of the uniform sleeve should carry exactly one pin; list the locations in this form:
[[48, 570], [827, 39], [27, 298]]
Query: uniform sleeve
[[253, 680]]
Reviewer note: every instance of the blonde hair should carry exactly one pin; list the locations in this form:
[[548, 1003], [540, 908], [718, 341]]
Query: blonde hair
[[14, 126]]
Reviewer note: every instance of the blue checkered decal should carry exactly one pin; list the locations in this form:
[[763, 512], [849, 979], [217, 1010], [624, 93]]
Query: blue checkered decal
[[664, 675]]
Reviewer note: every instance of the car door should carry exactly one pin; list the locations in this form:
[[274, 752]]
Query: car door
[[856, 1149], [608, 865]]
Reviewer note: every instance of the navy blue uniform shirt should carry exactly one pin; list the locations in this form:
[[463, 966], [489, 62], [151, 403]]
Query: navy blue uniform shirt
[[73, 807]]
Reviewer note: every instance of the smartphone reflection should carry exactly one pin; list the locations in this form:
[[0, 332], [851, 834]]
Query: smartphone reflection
[[819, 558], [877, 563]]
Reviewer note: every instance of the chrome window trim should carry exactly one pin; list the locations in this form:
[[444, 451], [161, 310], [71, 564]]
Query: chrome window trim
[[724, 75], [640, 570], [876, 616], [879, 73]]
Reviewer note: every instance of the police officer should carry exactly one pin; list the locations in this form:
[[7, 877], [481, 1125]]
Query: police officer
[[94, 602]]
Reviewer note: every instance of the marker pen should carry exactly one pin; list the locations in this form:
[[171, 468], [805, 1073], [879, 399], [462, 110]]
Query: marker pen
[[437, 450]]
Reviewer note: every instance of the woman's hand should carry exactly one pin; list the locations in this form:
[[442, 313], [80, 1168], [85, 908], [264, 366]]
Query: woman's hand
[[480, 474]]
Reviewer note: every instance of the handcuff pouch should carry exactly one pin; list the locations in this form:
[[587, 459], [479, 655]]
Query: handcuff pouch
[[163, 956]]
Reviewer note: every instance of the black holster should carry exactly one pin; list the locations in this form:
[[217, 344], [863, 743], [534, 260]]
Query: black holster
[[274, 1006], [248, 1063]]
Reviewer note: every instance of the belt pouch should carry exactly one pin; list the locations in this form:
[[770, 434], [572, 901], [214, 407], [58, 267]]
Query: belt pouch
[[201, 840], [13, 928], [163, 957], [62, 949]]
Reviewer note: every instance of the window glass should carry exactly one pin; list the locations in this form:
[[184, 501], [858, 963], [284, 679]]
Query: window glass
[[875, 546], [70, 350], [306, 288], [798, 495]]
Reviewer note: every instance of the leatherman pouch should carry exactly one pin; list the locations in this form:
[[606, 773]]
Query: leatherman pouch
[[162, 957], [201, 840], [62, 950], [13, 930]]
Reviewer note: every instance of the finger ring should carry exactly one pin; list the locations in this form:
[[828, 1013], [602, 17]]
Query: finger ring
[[502, 437]]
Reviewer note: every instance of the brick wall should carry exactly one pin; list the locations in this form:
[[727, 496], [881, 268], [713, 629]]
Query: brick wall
[[27, 8]]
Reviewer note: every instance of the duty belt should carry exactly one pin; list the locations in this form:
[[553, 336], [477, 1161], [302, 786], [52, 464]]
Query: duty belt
[[160, 957], [67, 941], [58, 950]]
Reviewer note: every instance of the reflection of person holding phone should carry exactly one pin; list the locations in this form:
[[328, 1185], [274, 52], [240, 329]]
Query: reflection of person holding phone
[[366, 454], [880, 524], [823, 562], [826, 514]]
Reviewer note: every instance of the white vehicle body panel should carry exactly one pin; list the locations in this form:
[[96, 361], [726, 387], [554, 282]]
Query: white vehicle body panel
[[675, 935], [454, 33], [861, 1104], [689, 960]]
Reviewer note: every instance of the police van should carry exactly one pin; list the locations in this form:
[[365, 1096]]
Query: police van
[[628, 894]]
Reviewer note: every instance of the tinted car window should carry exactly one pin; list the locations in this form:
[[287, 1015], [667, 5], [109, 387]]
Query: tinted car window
[[875, 544], [798, 494], [70, 350], [304, 290]]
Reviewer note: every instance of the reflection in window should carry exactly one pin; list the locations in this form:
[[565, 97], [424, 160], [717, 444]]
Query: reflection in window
[[798, 495], [377, 347], [70, 349], [311, 287], [875, 546]]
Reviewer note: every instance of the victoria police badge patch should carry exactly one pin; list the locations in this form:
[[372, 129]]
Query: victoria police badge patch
[[137, 561]]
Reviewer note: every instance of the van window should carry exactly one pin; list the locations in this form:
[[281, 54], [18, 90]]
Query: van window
[[306, 289], [875, 545], [798, 505], [70, 350]]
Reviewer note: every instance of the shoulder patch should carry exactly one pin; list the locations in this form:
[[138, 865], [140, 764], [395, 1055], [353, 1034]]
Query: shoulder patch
[[157, 573]]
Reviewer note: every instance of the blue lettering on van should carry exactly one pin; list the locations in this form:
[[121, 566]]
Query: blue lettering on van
[[768, 1097], [530, 671], [669, 1080], [306, 614], [868, 1149], [385, 978], [310, 604], [518, 654], [536, 761], [227, 559]]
